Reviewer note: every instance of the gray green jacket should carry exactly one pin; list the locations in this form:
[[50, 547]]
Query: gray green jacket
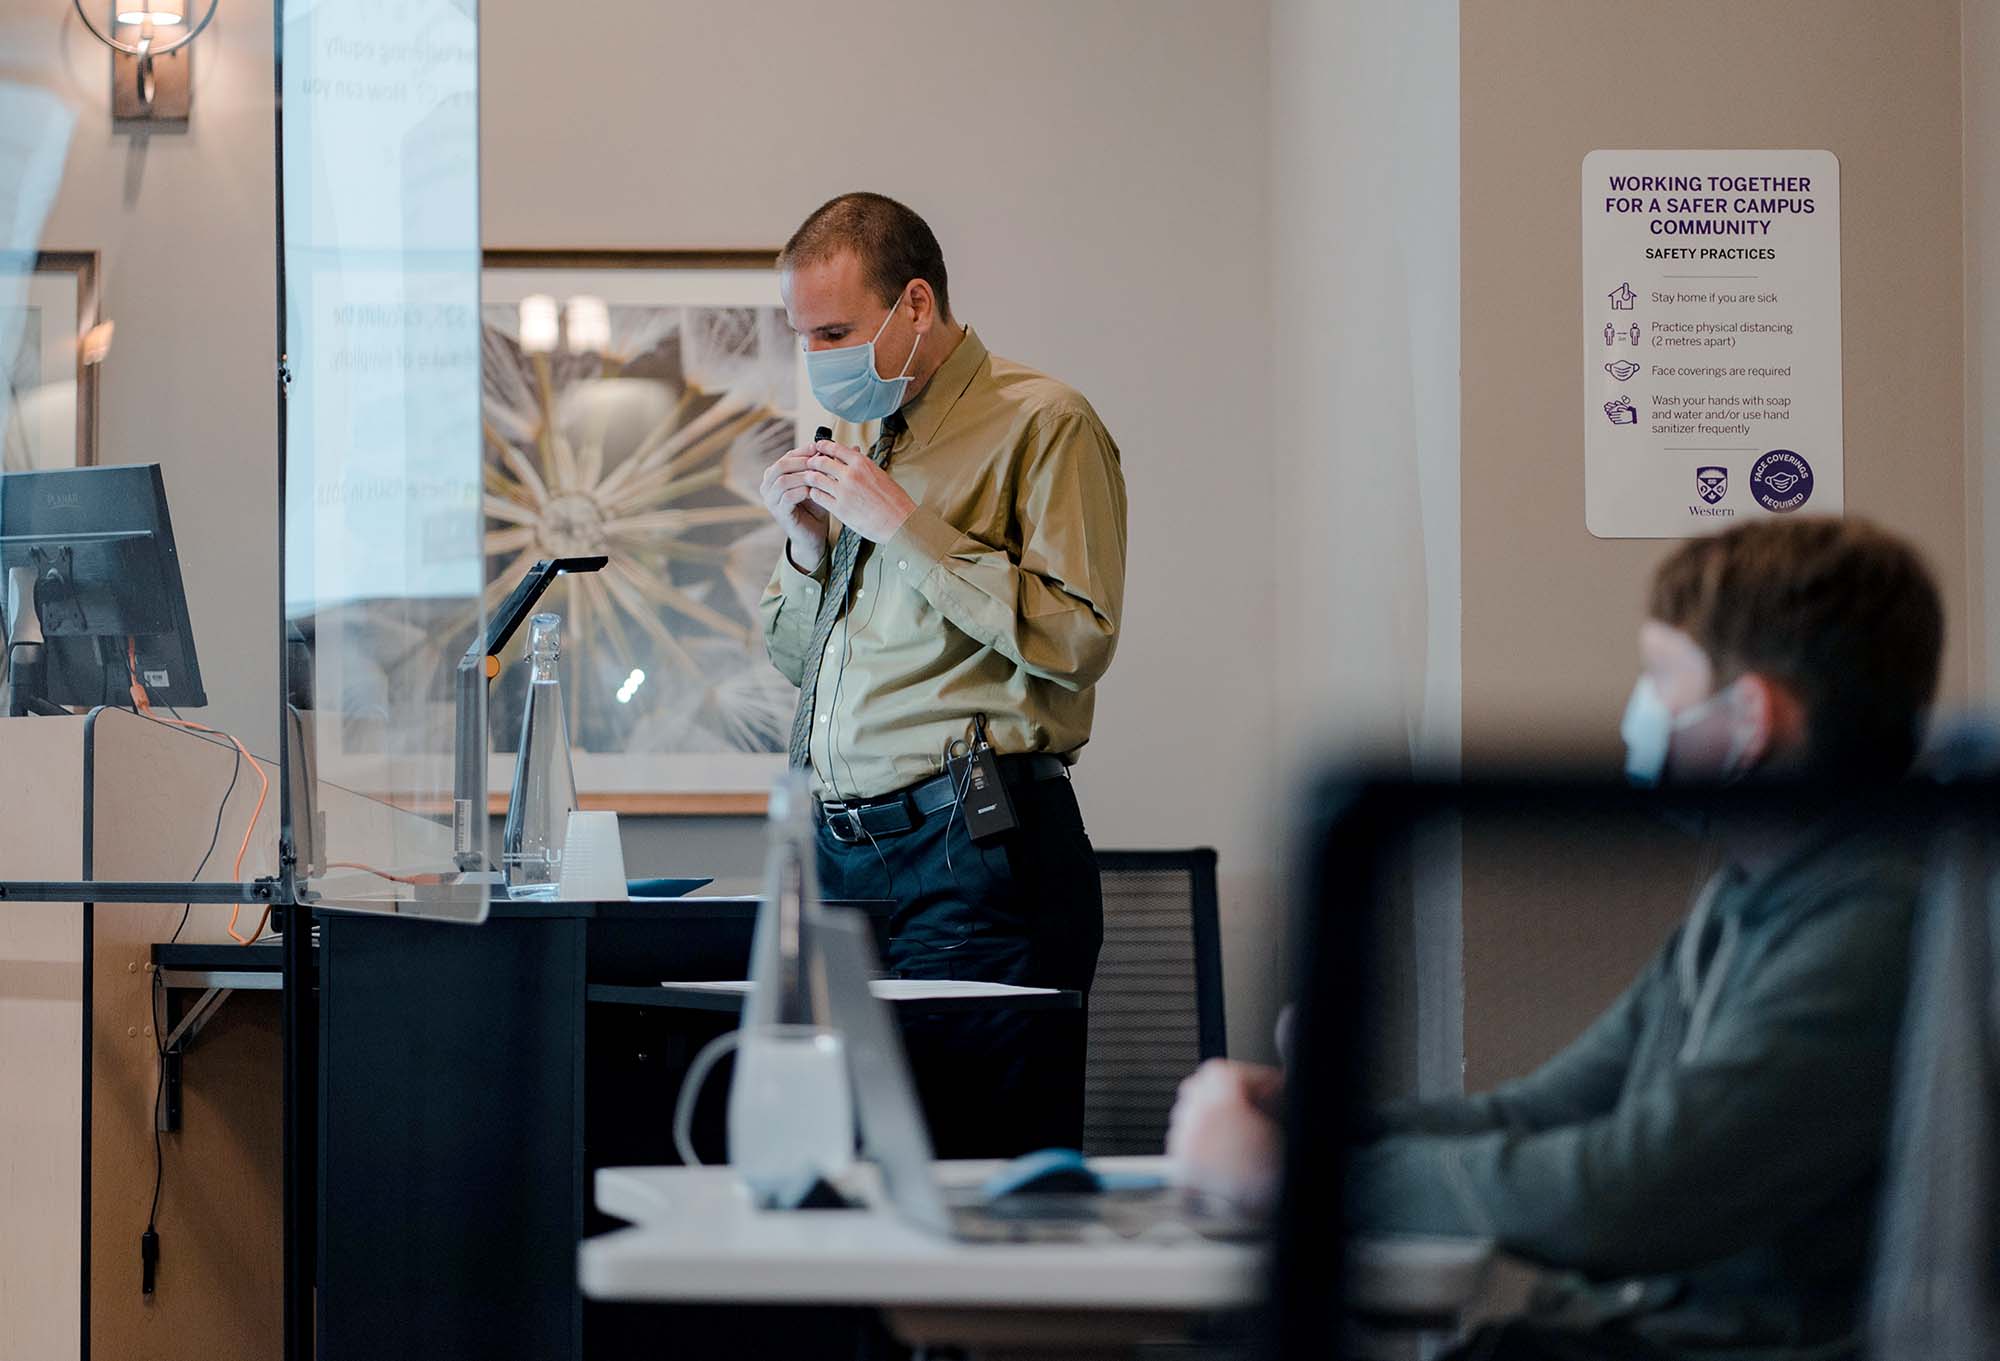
[[1704, 1161]]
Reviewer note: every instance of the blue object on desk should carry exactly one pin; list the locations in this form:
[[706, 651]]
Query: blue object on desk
[[1056, 1170], [664, 888]]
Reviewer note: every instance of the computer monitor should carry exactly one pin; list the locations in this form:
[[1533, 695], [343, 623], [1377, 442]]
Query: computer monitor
[[93, 548]]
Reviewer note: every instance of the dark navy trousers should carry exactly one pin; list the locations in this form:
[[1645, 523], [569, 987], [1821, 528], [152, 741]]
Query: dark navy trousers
[[1025, 909]]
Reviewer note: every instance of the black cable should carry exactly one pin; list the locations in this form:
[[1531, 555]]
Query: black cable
[[159, 988], [213, 739]]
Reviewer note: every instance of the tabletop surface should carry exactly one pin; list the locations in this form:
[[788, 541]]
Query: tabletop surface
[[906, 994], [697, 1238]]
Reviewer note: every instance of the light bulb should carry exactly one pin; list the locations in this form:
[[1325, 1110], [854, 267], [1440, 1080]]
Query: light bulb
[[588, 321], [538, 323], [159, 13]]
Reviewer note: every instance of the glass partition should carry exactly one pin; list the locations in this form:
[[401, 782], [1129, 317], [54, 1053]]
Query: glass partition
[[384, 575]]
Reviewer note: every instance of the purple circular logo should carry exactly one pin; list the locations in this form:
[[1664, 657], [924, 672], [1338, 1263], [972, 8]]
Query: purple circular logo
[[1781, 481]]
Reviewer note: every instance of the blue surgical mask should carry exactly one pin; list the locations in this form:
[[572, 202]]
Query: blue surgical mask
[[1649, 727], [1648, 730], [845, 382]]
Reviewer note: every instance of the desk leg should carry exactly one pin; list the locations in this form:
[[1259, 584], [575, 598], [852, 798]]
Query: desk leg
[[301, 1125]]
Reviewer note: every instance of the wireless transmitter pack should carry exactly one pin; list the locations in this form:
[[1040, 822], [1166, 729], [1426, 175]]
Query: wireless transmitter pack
[[983, 799]]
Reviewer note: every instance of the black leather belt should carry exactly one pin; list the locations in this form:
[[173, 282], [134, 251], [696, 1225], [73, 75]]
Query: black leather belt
[[853, 821]]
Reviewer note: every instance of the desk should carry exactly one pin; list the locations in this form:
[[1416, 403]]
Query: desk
[[471, 1079], [696, 1239]]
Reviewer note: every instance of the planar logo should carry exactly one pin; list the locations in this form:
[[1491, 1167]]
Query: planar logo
[[62, 501], [1781, 481], [1711, 485]]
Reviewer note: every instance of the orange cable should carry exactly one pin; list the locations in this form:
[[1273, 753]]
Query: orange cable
[[144, 703]]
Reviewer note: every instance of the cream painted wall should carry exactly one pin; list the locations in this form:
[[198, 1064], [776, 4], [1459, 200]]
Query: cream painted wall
[[1550, 612], [183, 223], [1097, 171], [1365, 225], [1980, 63]]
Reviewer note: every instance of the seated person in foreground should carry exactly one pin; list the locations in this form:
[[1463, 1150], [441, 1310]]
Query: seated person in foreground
[[1703, 1162]]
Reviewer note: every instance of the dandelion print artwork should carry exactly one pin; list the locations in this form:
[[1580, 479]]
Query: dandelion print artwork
[[619, 421]]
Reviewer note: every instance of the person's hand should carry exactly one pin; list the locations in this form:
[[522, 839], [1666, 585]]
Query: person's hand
[[846, 483], [1224, 1137], [788, 496]]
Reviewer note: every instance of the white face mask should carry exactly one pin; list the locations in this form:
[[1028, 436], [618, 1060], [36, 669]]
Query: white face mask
[[1649, 727]]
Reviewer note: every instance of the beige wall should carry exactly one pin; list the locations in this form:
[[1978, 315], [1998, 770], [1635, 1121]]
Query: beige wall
[[184, 225], [1549, 610], [1365, 228], [1981, 65], [1097, 174]]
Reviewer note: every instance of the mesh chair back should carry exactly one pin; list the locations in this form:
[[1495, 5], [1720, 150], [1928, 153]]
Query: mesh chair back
[[1156, 1006]]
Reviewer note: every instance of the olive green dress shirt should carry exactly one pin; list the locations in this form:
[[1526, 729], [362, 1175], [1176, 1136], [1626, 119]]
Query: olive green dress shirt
[[999, 596]]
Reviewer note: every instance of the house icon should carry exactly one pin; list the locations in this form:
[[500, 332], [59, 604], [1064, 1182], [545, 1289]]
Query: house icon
[[1623, 298]]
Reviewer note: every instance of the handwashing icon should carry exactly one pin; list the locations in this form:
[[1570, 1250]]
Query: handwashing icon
[[1621, 412]]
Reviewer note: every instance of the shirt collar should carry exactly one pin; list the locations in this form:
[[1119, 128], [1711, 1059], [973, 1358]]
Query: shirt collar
[[946, 386]]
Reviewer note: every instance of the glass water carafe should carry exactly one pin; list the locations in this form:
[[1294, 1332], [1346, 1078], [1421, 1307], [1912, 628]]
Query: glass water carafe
[[544, 784]]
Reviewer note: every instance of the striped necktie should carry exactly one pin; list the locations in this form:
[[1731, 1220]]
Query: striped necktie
[[832, 604]]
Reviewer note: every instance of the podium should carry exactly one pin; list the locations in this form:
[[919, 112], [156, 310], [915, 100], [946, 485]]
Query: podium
[[117, 796]]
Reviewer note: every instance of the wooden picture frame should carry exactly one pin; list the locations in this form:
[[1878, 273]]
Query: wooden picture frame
[[59, 307], [705, 718]]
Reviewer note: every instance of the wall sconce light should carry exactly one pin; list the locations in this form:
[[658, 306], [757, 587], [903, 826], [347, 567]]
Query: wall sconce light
[[145, 86]]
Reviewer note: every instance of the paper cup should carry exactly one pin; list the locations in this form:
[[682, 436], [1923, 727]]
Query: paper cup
[[593, 863]]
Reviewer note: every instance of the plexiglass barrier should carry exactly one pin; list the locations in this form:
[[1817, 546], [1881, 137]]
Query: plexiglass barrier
[[384, 570]]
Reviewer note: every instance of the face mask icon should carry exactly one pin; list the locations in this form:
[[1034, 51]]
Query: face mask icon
[[1781, 482], [1622, 370]]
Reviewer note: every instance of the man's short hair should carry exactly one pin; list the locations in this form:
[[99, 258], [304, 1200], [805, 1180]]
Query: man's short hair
[[1846, 613], [893, 244]]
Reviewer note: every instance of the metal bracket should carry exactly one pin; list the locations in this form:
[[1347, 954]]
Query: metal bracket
[[198, 1016], [165, 893], [167, 1118]]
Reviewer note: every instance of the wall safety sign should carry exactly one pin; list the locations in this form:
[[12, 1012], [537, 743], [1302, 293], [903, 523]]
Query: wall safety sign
[[1711, 339]]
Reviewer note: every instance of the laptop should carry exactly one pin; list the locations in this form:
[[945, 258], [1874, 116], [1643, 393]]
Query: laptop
[[893, 1134]]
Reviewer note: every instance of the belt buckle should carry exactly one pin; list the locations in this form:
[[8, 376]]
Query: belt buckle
[[844, 815]]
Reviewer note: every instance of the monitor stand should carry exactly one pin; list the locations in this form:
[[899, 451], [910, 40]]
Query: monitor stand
[[24, 660]]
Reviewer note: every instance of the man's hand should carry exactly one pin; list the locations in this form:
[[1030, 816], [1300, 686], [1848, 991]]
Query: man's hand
[[788, 496], [860, 495], [1224, 1137]]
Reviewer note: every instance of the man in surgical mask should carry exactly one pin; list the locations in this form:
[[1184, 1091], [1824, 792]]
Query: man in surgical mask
[[947, 599], [1700, 1167]]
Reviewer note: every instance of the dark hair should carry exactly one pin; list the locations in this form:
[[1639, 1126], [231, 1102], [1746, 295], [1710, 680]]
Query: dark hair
[[1845, 612], [893, 244]]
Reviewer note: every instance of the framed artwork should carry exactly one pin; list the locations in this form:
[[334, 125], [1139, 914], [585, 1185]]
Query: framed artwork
[[50, 411], [631, 402]]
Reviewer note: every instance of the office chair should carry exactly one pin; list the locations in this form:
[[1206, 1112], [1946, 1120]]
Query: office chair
[[1156, 1007], [1935, 1296]]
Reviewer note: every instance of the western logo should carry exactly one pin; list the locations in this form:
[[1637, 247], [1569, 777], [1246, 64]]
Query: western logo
[[1781, 481], [1712, 484]]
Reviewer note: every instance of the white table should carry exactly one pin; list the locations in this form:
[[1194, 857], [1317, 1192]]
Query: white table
[[697, 1239]]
